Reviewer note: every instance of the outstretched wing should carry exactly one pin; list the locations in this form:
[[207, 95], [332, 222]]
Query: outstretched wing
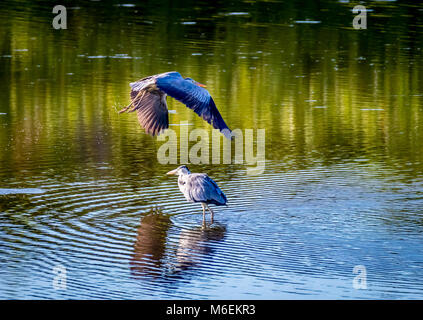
[[193, 96], [152, 112], [201, 188], [150, 104]]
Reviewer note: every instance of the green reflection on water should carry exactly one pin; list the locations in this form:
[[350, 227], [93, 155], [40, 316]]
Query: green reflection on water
[[325, 93]]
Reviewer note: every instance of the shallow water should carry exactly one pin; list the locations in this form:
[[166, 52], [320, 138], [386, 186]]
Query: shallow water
[[81, 186]]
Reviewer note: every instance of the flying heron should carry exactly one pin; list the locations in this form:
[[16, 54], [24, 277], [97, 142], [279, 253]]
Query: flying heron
[[148, 98], [199, 187]]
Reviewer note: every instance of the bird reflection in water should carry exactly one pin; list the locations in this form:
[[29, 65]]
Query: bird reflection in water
[[150, 246], [155, 257], [194, 245]]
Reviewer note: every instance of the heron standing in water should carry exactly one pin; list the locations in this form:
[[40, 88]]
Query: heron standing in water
[[148, 98], [199, 187]]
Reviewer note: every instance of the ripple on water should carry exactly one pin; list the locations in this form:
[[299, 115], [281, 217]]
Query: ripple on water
[[284, 234], [20, 191]]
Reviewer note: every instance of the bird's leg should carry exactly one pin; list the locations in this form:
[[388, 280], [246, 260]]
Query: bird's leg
[[211, 213], [126, 108], [136, 100], [133, 102], [204, 214]]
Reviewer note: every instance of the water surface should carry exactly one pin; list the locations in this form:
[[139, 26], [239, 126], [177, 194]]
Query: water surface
[[81, 186]]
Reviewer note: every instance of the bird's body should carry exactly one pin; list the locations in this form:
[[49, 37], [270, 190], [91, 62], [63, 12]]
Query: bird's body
[[148, 98], [199, 187]]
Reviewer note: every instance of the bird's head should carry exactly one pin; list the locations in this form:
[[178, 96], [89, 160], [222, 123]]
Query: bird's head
[[196, 82], [181, 170]]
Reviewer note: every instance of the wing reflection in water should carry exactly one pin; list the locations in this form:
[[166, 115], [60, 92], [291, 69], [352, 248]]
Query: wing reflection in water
[[194, 245], [154, 255], [150, 245]]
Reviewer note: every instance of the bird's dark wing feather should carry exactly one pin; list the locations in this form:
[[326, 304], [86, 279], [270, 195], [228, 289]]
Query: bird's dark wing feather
[[193, 96], [202, 188], [150, 104], [152, 113]]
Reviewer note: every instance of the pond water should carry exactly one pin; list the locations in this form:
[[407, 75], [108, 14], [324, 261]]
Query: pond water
[[83, 194]]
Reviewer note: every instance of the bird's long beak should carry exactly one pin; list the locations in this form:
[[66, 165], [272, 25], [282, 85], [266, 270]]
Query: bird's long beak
[[201, 85], [172, 172]]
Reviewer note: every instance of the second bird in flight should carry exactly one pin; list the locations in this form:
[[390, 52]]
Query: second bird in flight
[[148, 98]]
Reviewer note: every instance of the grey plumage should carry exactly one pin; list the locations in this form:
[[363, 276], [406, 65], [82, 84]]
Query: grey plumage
[[199, 187], [148, 98]]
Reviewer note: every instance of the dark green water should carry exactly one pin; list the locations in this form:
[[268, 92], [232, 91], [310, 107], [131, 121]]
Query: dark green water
[[343, 180]]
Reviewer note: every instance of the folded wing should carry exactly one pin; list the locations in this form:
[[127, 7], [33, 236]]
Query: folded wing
[[202, 188]]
